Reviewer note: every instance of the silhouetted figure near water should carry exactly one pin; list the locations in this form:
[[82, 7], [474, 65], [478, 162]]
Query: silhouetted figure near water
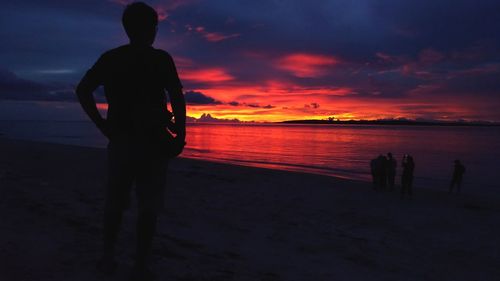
[[458, 173], [379, 173], [135, 78], [373, 169], [382, 172], [391, 171], [407, 176]]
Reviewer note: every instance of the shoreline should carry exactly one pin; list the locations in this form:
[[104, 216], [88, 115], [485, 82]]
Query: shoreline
[[229, 222], [241, 163], [420, 182], [347, 153]]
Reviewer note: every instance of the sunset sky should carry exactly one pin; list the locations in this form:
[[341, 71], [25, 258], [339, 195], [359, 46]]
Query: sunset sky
[[270, 60]]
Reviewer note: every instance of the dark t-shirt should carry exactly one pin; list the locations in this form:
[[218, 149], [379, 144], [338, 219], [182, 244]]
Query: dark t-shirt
[[135, 79]]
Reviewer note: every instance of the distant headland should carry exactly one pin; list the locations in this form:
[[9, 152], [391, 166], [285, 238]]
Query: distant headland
[[401, 122]]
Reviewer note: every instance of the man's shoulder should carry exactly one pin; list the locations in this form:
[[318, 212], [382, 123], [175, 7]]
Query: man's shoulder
[[125, 49], [162, 54], [110, 56], [115, 52]]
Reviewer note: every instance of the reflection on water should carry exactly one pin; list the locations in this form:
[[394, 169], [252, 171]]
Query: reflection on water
[[340, 150], [346, 150]]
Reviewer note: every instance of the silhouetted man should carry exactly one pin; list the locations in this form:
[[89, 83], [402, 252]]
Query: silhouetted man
[[407, 176], [373, 170], [458, 173], [135, 78], [391, 171], [382, 171]]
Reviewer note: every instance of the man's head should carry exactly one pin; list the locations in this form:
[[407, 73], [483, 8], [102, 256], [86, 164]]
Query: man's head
[[140, 22]]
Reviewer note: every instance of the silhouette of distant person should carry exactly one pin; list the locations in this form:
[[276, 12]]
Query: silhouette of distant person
[[382, 172], [378, 171], [391, 171], [407, 176], [373, 170], [458, 173], [136, 78]]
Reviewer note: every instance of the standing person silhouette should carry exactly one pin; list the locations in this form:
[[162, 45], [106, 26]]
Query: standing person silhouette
[[382, 171], [135, 77], [373, 169], [458, 173], [407, 176], [391, 171]]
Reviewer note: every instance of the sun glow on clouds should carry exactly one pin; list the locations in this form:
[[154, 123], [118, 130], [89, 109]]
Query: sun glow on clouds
[[279, 100], [273, 103], [207, 75], [211, 36], [307, 65], [308, 84]]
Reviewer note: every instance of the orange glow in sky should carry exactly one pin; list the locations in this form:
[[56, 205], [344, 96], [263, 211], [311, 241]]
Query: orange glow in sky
[[278, 86], [306, 65]]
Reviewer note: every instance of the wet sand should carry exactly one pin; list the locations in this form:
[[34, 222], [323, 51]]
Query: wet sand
[[226, 222]]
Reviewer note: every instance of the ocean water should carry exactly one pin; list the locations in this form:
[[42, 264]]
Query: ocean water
[[336, 150]]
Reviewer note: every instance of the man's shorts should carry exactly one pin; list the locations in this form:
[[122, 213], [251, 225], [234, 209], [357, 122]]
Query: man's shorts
[[129, 164]]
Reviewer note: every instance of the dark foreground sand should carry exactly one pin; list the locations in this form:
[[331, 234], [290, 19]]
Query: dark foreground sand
[[226, 222]]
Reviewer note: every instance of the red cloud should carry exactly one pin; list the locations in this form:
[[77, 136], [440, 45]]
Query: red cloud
[[162, 13], [430, 56], [211, 36], [306, 65], [207, 75], [216, 37]]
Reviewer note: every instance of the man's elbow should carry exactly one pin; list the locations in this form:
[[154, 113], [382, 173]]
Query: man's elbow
[[177, 97], [82, 92], [175, 93]]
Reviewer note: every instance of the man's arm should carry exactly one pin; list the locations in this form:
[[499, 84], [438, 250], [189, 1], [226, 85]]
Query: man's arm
[[84, 92], [179, 109], [87, 101]]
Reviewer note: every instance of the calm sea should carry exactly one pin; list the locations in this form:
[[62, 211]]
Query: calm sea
[[337, 150]]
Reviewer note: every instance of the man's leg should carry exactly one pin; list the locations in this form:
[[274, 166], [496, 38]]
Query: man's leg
[[146, 228], [452, 184], [410, 188], [120, 179], [112, 223], [404, 184], [150, 188], [383, 182]]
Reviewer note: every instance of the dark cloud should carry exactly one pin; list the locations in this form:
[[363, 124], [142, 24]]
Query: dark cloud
[[11, 84], [253, 105], [198, 98], [313, 105], [14, 88]]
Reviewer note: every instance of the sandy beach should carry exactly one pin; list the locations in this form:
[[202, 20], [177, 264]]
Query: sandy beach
[[226, 222]]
